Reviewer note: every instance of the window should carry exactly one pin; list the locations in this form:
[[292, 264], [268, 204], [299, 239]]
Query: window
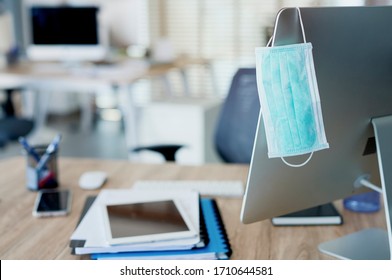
[[225, 31]]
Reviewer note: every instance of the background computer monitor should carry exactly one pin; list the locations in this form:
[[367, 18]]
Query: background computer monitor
[[352, 48], [64, 33]]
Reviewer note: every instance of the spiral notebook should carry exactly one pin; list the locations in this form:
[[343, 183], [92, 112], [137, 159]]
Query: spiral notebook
[[218, 246], [78, 246]]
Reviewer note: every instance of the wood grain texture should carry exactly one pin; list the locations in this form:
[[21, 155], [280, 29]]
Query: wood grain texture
[[24, 237]]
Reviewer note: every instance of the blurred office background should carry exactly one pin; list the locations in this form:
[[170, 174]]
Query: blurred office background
[[221, 31]]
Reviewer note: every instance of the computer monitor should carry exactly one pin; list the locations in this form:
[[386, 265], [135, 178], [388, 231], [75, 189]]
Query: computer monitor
[[352, 49], [64, 33]]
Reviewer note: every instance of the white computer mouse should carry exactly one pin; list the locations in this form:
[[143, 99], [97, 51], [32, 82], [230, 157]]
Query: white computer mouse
[[92, 180]]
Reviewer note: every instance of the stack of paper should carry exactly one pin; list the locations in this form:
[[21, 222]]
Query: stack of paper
[[208, 242]]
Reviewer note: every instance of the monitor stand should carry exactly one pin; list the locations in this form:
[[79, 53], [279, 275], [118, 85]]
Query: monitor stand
[[372, 243]]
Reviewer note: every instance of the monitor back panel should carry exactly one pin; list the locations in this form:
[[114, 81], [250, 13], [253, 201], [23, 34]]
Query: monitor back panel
[[352, 49]]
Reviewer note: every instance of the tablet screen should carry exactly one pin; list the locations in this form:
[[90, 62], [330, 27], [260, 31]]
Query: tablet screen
[[146, 218]]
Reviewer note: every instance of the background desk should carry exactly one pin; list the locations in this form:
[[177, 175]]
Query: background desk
[[24, 237], [89, 78]]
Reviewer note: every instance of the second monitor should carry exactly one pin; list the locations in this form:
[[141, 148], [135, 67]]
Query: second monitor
[[65, 33]]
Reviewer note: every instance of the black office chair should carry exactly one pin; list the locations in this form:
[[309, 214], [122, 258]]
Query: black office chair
[[167, 151], [11, 126], [236, 126]]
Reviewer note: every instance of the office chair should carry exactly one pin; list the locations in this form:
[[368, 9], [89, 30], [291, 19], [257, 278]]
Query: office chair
[[11, 126], [236, 125]]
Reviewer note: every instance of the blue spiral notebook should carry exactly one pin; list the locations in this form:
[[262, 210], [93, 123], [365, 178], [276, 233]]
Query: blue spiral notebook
[[218, 246], [79, 244]]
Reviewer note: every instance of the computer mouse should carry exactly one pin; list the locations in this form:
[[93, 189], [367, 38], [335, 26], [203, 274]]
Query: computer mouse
[[92, 180]]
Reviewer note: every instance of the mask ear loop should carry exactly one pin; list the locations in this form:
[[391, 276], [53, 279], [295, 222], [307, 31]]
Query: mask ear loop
[[269, 42], [302, 24], [272, 39], [298, 165]]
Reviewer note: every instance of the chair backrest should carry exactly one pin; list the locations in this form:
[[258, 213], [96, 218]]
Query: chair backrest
[[236, 126], [11, 126]]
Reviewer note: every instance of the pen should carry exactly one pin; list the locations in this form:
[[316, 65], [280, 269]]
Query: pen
[[30, 150], [53, 146]]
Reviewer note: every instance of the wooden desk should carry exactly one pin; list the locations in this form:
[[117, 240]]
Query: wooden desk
[[24, 237], [121, 72], [43, 77]]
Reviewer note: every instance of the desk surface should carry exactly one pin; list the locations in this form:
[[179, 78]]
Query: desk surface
[[122, 72], [24, 237]]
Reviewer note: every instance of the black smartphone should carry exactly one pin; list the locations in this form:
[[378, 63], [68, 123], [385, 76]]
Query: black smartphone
[[52, 203]]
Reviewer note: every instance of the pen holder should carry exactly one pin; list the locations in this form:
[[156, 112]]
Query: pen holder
[[44, 178]]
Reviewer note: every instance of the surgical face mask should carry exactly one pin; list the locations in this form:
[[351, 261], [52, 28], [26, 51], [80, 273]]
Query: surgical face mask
[[290, 101]]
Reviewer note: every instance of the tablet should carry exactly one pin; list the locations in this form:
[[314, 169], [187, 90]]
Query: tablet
[[148, 221]]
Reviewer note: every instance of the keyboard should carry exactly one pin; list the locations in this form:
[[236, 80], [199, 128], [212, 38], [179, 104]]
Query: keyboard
[[204, 187]]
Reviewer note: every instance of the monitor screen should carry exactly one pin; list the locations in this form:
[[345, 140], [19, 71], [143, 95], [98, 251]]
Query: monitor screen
[[352, 50], [64, 33], [64, 26]]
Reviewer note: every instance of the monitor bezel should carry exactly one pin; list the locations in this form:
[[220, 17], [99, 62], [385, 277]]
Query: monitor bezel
[[68, 52]]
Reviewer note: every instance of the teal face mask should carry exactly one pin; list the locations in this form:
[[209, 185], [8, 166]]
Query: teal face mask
[[290, 99]]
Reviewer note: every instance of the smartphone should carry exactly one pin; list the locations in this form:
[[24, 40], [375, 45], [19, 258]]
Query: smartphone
[[52, 203]]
